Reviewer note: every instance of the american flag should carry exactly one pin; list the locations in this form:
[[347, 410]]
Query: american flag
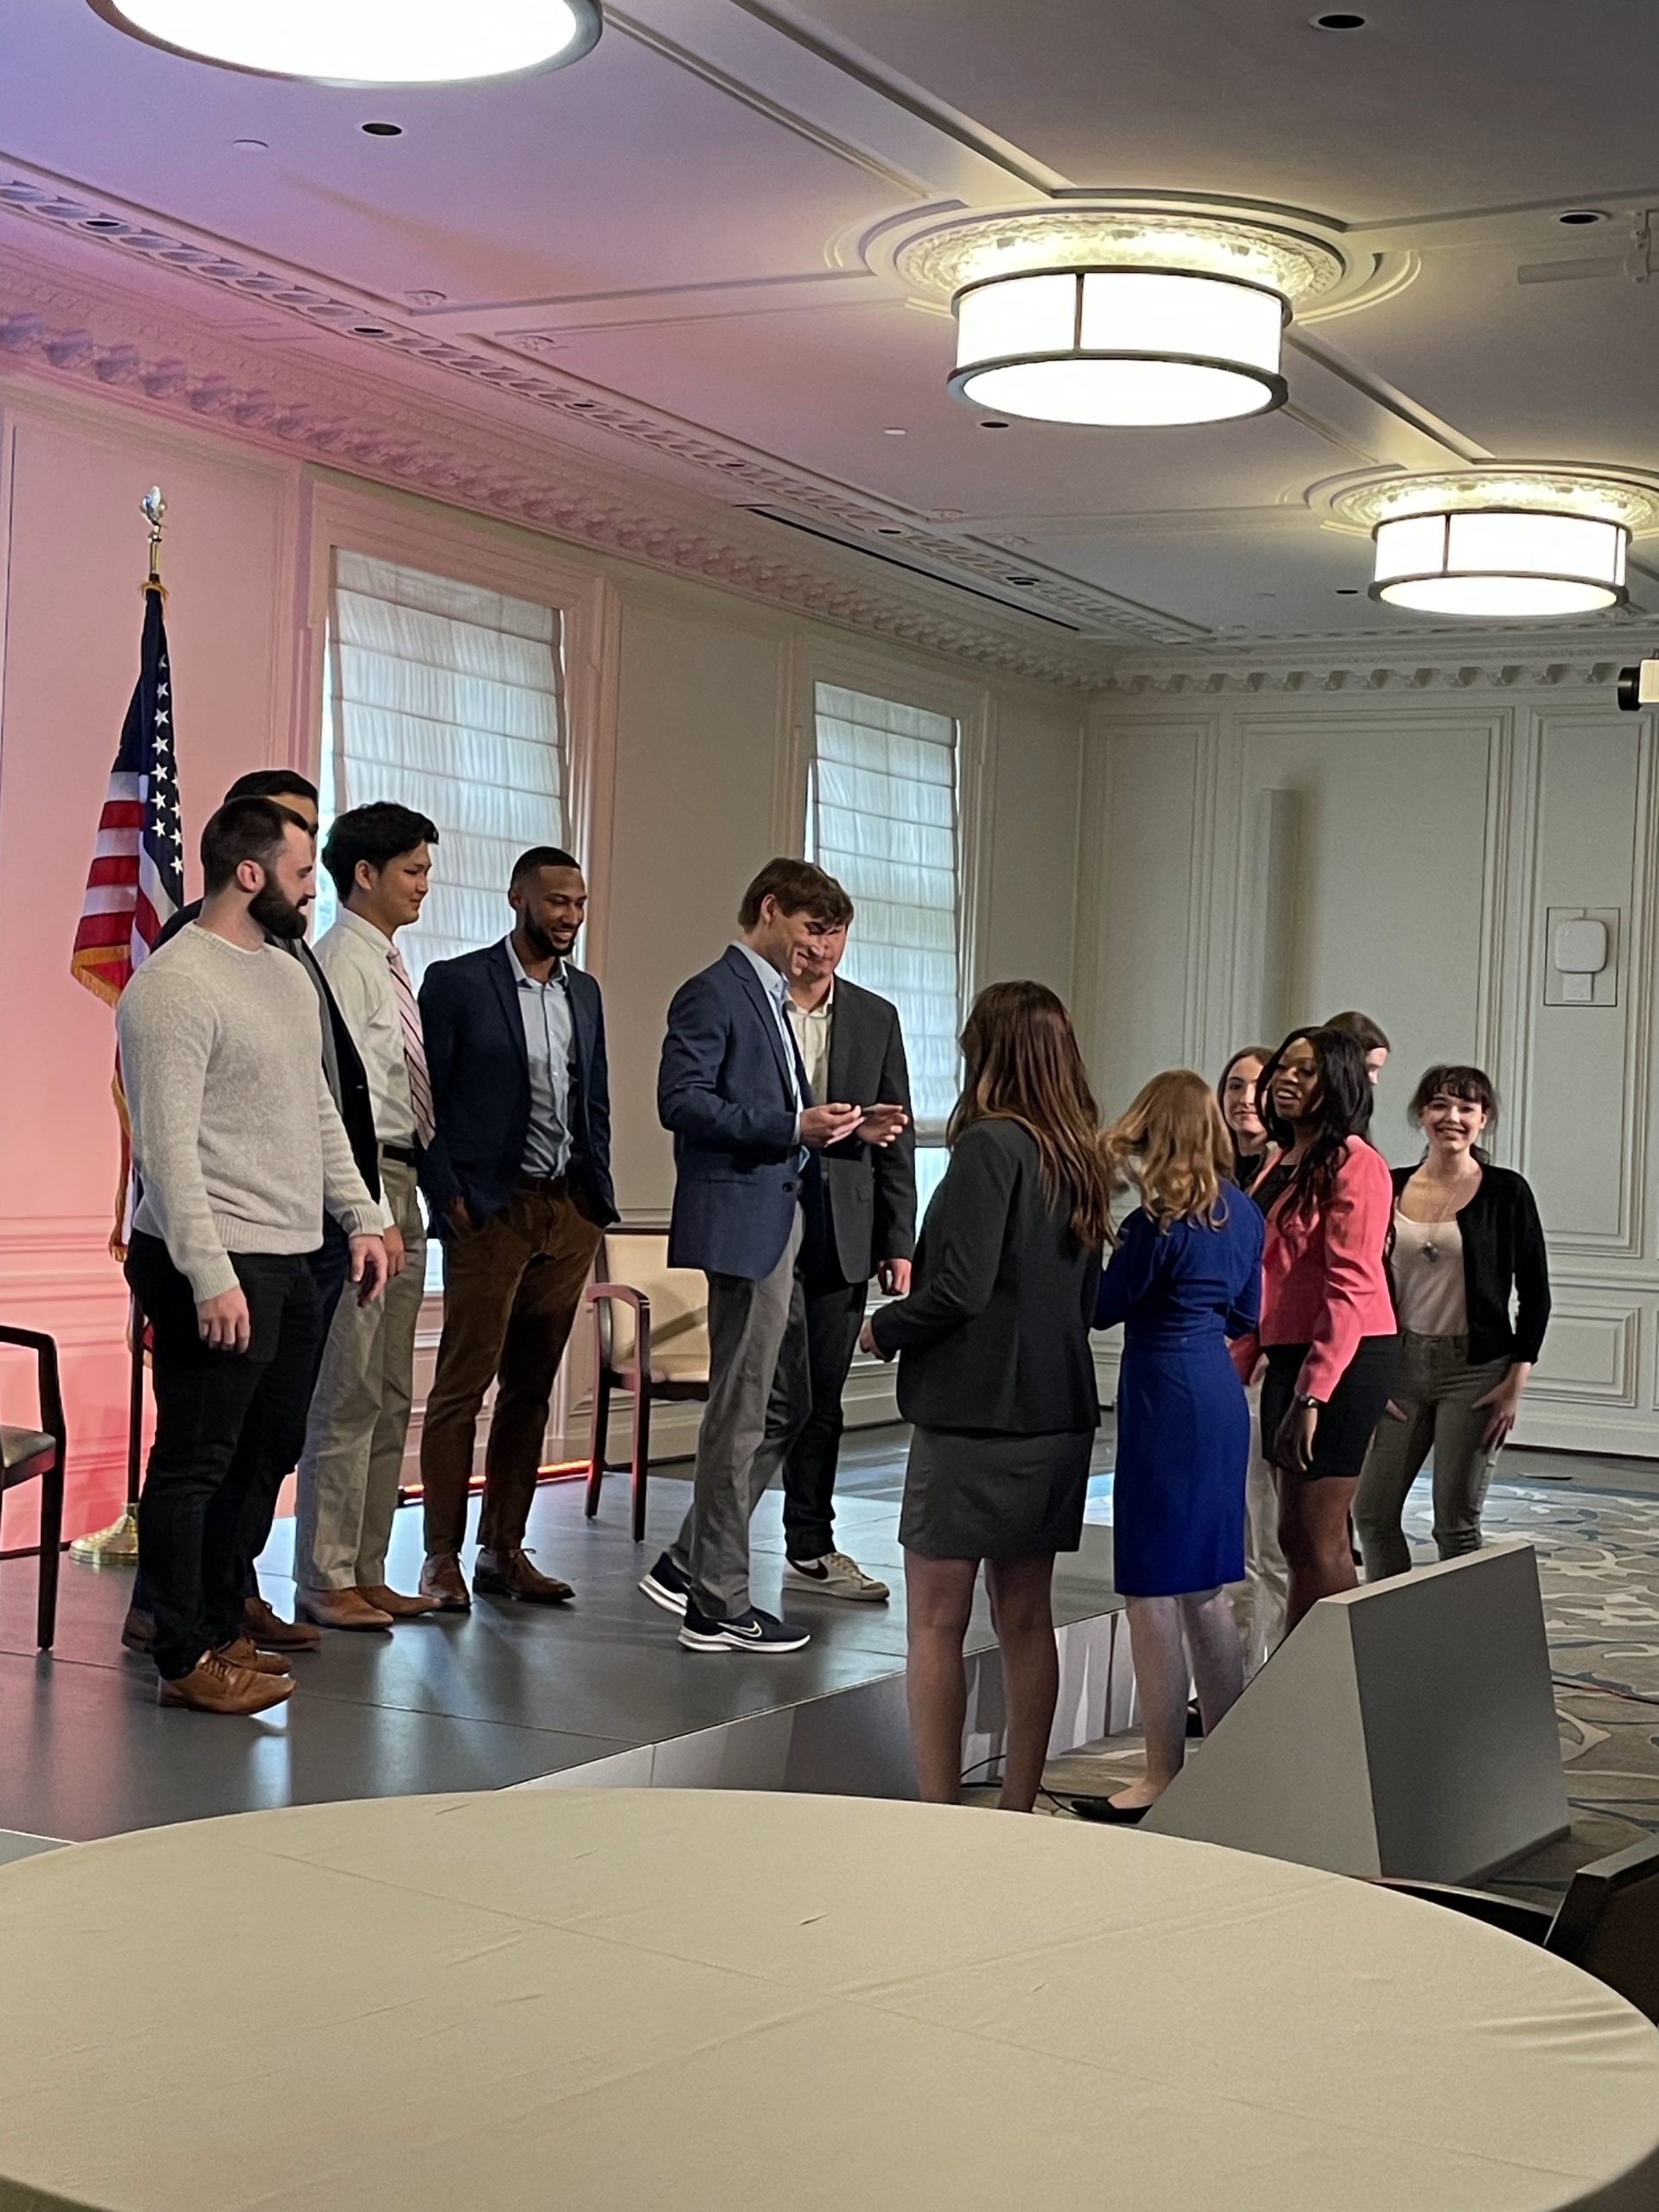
[[136, 884]]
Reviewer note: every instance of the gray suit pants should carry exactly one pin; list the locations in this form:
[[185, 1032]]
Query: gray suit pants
[[758, 1398]]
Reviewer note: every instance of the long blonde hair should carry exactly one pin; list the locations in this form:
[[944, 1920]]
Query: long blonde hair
[[1023, 1065], [1174, 1147]]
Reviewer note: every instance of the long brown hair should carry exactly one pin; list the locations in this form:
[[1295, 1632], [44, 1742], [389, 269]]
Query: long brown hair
[[1174, 1147], [1023, 1066]]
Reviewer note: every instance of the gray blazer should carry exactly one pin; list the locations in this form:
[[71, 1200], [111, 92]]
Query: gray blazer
[[994, 1334], [870, 1190]]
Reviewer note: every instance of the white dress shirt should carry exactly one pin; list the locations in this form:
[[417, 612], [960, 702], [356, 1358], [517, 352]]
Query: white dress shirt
[[549, 1041], [811, 1028], [356, 957], [775, 984]]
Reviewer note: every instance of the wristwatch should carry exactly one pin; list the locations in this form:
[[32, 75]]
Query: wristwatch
[[1302, 1399]]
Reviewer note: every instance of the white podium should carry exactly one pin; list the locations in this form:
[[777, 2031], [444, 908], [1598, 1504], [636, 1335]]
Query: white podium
[[1408, 1728]]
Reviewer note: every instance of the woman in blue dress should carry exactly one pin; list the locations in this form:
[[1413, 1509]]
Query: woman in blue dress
[[1185, 1276]]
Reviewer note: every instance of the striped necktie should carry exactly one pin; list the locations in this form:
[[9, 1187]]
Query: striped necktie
[[420, 1083]]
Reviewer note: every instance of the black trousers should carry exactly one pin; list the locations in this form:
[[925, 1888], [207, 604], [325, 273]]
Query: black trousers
[[834, 1314], [229, 1426], [330, 1264]]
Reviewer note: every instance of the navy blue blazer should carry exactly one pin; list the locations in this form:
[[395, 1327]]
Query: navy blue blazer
[[476, 1056], [725, 1090]]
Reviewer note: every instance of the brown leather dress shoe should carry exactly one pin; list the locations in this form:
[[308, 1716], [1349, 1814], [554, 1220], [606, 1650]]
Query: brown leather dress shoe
[[339, 1609], [443, 1579], [214, 1686], [272, 1633], [138, 1630], [388, 1600], [242, 1653], [510, 1575]]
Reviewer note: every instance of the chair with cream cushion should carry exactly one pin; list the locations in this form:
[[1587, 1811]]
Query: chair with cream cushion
[[651, 1338]]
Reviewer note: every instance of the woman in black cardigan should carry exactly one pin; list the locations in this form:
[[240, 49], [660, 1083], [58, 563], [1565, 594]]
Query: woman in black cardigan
[[996, 1372], [1471, 1283]]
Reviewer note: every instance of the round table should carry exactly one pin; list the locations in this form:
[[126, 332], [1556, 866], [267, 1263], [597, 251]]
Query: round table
[[632, 1998]]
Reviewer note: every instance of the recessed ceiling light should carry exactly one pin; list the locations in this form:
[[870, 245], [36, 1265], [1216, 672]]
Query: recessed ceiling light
[[250, 145], [892, 431], [990, 423], [1579, 216], [381, 129], [1347, 591], [366, 41], [1338, 23]]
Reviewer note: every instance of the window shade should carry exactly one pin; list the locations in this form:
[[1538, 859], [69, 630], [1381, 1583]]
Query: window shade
[[882, 819], [446, 697]]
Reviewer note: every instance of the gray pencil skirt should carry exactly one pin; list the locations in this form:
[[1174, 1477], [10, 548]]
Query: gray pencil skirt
[[981, 1493]]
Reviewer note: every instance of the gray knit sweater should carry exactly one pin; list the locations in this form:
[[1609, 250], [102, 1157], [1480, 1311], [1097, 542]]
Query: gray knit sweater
[[237, 1142]]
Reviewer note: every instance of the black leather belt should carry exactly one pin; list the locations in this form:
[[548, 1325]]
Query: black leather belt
[[405, 1154], [543, 1182]]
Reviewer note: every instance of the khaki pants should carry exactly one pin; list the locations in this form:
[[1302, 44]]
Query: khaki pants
[[1438, 1392], [1259, 1600], [511, 1291], [354, 1457]]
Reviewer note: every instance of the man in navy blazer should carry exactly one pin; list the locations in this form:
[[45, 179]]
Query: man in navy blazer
[[747, 1132], [518, 1179]]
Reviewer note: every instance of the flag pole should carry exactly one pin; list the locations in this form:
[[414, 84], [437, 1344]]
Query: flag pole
[[118, 1545]]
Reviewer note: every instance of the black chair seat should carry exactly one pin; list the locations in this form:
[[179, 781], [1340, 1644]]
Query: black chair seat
[[25, 1454]]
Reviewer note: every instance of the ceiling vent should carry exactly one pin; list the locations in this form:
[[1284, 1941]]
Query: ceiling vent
[[913, 567]]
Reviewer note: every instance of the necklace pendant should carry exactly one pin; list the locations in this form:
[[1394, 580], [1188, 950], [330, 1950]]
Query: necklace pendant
[[1431, 1249]]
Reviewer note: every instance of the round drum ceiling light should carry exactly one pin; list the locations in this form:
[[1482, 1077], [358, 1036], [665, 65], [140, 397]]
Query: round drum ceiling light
[[1120, 344], [1498, 540], [1504, 562], [366, 41]]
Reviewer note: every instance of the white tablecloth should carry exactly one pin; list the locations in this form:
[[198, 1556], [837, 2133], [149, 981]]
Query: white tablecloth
[[633, 1998]]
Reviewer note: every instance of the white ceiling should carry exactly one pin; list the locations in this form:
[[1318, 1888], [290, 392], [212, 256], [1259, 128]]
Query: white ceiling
[[673, 228]]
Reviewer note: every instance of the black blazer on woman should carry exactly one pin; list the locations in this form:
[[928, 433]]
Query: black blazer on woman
[[1502, 1253], [994, 1334]]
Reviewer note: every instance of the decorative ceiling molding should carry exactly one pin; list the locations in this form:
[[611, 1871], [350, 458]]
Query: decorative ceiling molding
[[1441, 661], [56, 324], [506, 363]]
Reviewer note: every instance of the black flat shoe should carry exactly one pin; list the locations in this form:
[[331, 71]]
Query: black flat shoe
[[1102, 1808], [1194, 1720]]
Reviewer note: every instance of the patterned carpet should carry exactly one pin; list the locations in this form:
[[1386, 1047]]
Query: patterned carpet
[[1598, 1565]]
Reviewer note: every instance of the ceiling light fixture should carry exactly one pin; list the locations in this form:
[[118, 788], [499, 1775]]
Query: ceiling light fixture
[[1500, 542], [366, 41], [1121, 315]]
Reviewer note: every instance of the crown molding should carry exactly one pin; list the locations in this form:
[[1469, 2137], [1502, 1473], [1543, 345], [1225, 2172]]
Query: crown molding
[[1441, 660], [491, 455]]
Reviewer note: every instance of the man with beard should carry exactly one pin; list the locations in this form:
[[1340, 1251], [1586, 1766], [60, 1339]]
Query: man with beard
[[239, 1149], [348, 1086], [517, 1182]]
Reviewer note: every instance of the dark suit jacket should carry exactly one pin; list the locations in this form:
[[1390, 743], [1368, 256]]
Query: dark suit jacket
[[870, 1190], [724, 1089], [994, 1334], [355, 1104], [479, 1067]]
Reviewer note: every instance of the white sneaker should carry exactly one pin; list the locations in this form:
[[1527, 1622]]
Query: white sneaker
[[834, 1575]]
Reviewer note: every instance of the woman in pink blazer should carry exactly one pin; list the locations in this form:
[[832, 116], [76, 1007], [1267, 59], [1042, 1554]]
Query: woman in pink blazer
[[1328, 1328]]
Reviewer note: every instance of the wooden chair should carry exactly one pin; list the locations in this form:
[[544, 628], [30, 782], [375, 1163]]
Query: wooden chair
[[1608, 1922], [29, 1455], [651, 1338]]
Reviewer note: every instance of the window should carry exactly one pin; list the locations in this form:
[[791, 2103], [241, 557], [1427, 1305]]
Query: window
[[882, 818], [446, 697]]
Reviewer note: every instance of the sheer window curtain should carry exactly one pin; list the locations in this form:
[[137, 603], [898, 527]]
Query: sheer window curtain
[[883, 817], [446, 697]]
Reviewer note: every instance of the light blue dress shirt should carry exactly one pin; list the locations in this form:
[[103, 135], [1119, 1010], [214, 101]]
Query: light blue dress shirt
[[776, 987], [550, 1041]]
